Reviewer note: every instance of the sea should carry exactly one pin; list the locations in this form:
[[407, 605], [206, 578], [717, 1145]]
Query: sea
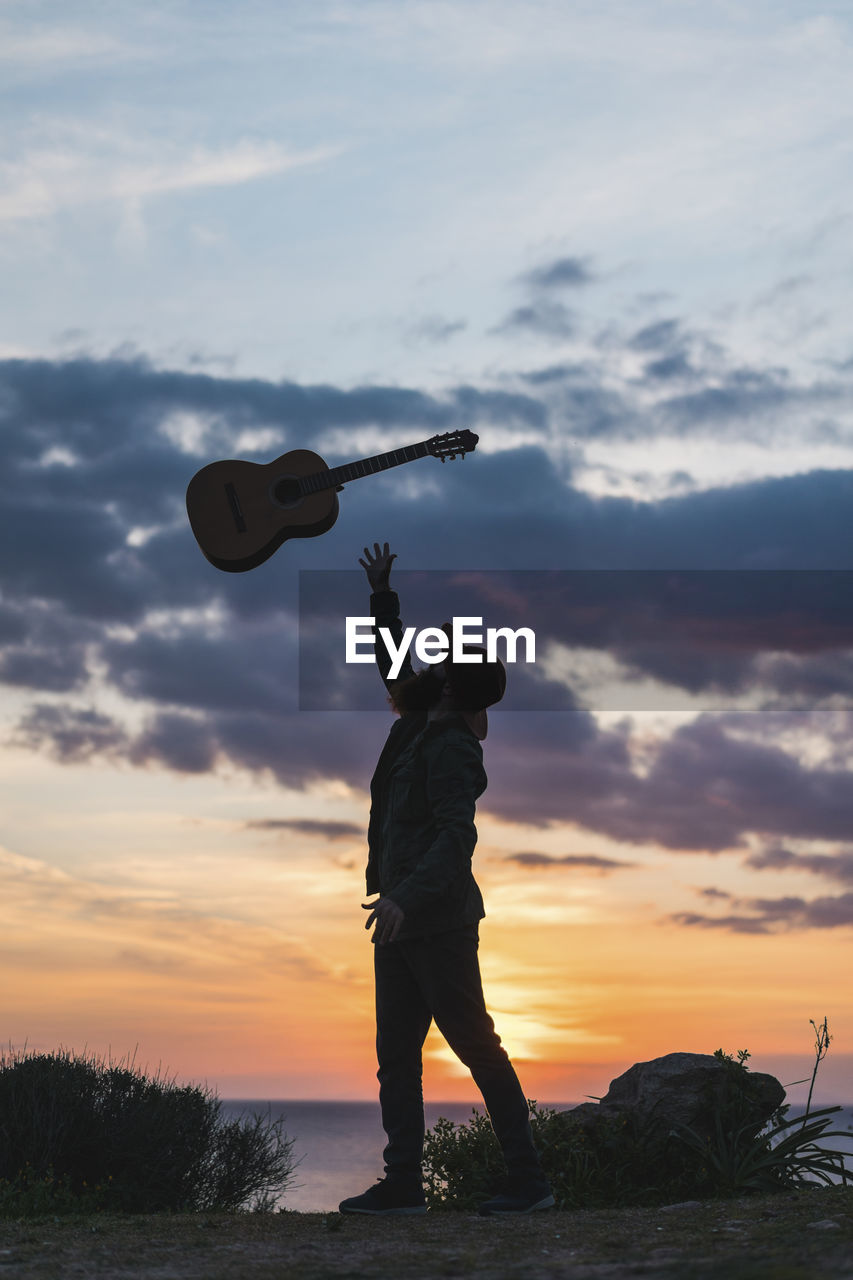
[[338, 1145]]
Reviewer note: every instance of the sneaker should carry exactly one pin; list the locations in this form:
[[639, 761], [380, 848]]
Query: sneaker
[[520, 1196], [389, 1196]]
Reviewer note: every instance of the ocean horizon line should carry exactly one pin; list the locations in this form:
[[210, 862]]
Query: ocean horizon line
[[428, 1102]]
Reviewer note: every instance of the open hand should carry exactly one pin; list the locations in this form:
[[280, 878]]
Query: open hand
[[377, 566], [389, 919]]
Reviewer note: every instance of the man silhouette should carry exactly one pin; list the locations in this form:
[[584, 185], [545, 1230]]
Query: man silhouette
[[421, 840]]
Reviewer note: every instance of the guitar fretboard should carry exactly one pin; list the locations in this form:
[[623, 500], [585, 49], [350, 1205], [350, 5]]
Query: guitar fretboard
[[364, 467]]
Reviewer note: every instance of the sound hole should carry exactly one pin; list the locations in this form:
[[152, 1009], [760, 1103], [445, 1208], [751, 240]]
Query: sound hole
[[286, 491]]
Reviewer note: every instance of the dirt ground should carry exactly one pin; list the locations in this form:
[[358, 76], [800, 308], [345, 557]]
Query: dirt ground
[[801, 1237]]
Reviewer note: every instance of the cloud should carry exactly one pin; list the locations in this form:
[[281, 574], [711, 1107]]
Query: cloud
[[66, 170], [702, 789], [71, 734], [833, 866], [775, 915], [107, 600], [660, 335], [731, 924], [326, 829], [676, 365], [562, 273], [741, 395], [48, 903], [588, 861], [434, 329], [544, 317]]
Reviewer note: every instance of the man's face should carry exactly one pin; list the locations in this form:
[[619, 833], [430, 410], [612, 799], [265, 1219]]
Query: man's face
[[421, 691]]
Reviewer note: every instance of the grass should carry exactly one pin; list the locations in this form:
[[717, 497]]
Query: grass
[[776, 1237]]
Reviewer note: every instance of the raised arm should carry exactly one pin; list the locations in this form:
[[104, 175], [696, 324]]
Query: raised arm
[[385, 608]]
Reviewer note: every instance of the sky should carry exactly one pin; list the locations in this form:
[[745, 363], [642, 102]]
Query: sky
[[613, 240]]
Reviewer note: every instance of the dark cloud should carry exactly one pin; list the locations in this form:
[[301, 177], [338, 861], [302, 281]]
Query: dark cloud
[[297, 750], [185, 743], [71, 734], [106, 579], [731, 924], [775, 915], [327, 829], [702, 632], [555, 373], [209, 672], [744, 399], [832, 866], [586, 861], [543, 316], [562, 273], [661, 335], [676, 365], [702, 789], [54, 670]]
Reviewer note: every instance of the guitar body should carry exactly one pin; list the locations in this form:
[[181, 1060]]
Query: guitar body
[[241, 512]]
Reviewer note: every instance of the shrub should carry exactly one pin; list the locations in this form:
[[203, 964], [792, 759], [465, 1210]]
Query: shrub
[[740, 1156], [78, 1133], [621, 1160]]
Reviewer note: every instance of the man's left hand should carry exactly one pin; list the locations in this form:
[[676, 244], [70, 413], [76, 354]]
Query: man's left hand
[[389, 919]]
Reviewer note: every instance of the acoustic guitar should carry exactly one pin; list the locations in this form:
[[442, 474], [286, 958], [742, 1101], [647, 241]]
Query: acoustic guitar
[[241, 512]]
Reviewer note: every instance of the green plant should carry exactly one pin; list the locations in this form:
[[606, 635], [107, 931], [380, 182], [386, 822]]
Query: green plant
[[780, 1158], [80, 1133], [462, 1163], [821, 1047], [618, 1159], [743, 1157]]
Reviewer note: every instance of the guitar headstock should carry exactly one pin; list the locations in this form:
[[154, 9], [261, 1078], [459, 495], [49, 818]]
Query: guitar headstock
[[452, 444]]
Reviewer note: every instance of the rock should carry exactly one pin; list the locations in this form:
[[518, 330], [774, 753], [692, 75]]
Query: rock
[[684, 1089]]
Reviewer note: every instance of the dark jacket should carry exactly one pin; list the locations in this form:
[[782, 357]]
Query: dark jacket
[[423, 795]]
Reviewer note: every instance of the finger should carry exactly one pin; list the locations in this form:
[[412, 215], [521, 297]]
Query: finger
[[373, 916]]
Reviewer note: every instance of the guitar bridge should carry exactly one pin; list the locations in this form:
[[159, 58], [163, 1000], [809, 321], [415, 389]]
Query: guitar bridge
[[236, 509]]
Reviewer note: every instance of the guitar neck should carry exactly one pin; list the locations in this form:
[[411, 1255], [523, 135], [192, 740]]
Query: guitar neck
[[364, 467]]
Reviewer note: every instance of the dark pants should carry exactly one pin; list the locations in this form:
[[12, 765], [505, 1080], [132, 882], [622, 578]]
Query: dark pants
[[418, 979]]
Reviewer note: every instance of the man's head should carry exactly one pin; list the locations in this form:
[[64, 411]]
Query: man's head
[[448, 686], [420, 692]]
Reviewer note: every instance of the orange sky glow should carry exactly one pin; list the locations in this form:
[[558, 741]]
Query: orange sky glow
[[142, 916]]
